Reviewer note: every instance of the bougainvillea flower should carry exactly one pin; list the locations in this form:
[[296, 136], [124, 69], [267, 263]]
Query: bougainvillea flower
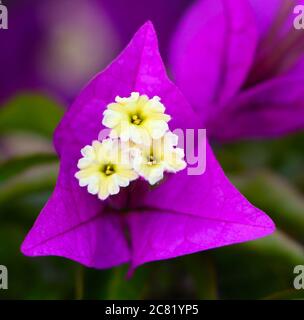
[[101, 172], [181, 215], [124, 154], [240, 64], [161, 156], [131, 118]]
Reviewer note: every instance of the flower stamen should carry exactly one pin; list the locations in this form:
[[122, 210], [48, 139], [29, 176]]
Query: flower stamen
[[151, 160], [108, 170], [135, 119]]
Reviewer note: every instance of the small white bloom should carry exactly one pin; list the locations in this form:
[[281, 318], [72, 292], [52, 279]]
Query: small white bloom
[[151, 161], [104, 168], [136, 118]]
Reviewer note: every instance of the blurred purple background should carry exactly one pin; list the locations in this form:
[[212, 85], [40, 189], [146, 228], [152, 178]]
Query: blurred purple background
[[57, 46]]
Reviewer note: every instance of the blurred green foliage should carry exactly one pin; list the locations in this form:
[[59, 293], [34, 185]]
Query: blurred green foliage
[[32, 113], [269, 173]]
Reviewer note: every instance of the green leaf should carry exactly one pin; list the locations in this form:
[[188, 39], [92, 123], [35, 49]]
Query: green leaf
[[284, 155], [202, 270], [79, 281], [278, 198], [14, 166], [290, 294], [38, 179], [38, 278], [31, 113], [119, 287], [257, 269]]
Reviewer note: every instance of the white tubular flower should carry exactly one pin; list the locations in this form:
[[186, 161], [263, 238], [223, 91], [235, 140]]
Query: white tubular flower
[[161, 155], [104, 168], [136, 118]]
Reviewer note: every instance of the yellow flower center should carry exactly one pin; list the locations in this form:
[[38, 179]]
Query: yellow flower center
[[136, 119], [151, 160], [108, 169]]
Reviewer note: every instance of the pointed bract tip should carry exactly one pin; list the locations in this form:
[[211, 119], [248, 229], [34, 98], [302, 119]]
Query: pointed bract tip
[[24, 250], [147, 27], [149, 24]]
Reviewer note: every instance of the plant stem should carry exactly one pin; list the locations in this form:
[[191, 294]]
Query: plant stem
[[79, 282]]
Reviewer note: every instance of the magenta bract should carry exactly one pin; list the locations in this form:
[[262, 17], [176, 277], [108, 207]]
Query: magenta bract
[[184, 214], [240, 64]]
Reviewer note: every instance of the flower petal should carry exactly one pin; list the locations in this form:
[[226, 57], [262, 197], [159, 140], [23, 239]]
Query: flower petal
[[163, 235], [281, 45], [272, 109], [139, 68], [212, 51], [187, 213], [266, 13], [74, 224], [274, 16]]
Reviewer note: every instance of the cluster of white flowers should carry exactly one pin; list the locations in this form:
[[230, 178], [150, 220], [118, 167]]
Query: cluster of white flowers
[[139, 145]]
